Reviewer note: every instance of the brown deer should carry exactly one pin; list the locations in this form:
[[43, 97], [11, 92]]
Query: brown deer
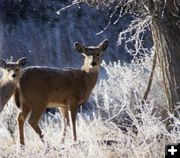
[[42, 87], [11, 72]]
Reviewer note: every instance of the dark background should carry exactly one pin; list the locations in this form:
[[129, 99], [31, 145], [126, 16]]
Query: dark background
[[31, 28]]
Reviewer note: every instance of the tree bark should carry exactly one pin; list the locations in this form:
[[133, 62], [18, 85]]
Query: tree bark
[[166, 37]]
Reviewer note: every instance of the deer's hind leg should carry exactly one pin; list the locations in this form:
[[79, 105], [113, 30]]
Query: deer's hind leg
[[36, 114], [21, 119], [64, 113]]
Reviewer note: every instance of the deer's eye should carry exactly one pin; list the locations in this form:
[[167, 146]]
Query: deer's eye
[[8, 70], [17, 69]]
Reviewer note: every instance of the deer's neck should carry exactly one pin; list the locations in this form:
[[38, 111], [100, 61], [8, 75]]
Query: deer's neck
[[91, 74], [6, 91]]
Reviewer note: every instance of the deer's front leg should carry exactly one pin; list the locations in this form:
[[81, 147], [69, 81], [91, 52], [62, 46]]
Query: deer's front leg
[[72, 108], [73, 118]]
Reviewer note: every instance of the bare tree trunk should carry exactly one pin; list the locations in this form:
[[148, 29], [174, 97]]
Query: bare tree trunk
[[166, 37]]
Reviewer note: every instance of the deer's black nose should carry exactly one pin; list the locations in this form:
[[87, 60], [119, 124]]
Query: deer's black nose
[[93, 63], [14, 75]]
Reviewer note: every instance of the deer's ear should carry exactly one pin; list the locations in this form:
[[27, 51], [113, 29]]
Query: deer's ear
[[2, 63], [22, 61], [79, 47], [103, 45]]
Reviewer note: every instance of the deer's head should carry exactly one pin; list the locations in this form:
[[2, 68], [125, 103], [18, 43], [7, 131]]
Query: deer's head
[[92, 54], [12, 70]]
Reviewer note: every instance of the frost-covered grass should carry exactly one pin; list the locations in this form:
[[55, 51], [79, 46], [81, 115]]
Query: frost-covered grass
[[114, 115]]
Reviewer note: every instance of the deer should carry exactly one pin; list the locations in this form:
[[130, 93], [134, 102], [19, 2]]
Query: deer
[[43, 87], [11, 72]]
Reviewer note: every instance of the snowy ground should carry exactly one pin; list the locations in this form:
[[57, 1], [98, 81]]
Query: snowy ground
[[115, 103]]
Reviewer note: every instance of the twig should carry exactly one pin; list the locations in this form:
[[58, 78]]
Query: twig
[[67, 7], [150, 79]]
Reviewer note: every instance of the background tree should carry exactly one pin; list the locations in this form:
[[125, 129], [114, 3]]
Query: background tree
[[162, 17]]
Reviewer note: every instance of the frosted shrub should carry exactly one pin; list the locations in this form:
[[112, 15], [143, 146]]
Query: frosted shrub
[[121, 94], [116, 105]]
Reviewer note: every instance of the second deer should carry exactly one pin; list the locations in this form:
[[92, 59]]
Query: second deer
[[42, 87], [11, 72]]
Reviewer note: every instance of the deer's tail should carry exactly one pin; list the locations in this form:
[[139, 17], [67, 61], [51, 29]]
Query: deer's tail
[[17, 97]]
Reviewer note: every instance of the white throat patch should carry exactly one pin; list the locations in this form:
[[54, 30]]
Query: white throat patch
[[87, 62]]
